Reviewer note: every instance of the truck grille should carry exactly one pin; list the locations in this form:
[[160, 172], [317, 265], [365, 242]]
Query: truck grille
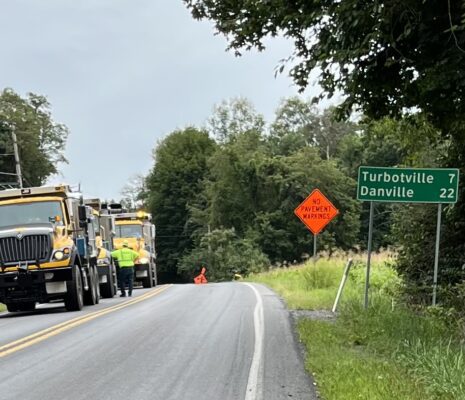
[[28, 248]]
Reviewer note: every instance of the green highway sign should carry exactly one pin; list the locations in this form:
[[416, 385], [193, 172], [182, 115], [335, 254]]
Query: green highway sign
[[408, 185]]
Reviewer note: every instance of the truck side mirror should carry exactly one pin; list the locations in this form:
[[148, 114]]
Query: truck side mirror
[[82, 214]]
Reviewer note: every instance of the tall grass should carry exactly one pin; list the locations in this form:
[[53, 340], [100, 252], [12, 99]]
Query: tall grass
[[386, 352], [313, 286]]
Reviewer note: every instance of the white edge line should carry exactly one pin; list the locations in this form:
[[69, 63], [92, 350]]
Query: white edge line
[[253, 391]]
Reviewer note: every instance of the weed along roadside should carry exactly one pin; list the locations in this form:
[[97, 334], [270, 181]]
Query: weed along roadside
[[389, 351]]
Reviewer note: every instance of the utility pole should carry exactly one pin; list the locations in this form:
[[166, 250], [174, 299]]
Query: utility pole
[[16, 152]]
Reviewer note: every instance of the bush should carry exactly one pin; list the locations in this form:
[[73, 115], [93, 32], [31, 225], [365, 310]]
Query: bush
[[223, 254], [383, 278]]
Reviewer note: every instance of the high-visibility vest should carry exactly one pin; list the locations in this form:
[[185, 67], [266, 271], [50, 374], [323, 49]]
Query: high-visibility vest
[[125, 257]]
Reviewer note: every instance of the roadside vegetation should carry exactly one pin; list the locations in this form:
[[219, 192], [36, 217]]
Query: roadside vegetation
[[390, 351]]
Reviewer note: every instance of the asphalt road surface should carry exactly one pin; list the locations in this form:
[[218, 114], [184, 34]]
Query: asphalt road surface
[[183, 342]]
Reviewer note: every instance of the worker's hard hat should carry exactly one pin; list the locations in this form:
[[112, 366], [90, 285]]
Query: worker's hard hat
[[125, 243]]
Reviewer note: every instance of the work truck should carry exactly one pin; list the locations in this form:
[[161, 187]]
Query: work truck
[[137, 229], [104, 227], [48, 249]]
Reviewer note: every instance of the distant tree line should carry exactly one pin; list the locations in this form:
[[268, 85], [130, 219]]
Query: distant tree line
[[223, 196]]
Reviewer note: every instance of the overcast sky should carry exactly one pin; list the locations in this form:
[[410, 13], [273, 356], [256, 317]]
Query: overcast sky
[[122, 74]]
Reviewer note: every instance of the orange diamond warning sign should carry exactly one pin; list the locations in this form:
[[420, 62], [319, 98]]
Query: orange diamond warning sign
[[316, 211]]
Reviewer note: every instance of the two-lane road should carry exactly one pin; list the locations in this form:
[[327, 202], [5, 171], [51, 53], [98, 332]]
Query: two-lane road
[[216, 341]]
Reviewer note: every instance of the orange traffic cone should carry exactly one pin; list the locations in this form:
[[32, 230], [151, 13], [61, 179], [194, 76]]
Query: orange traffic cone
[[200, 279]]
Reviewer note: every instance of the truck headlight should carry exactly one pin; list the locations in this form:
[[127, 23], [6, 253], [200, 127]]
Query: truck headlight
[[143, 260], [61, 254]]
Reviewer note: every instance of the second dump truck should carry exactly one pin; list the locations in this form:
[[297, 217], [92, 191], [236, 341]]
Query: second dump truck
[[104, 227]]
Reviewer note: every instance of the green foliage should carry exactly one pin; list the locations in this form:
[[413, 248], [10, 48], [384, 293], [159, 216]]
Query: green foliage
[[41, 141], [439, 367], [254, 192], [175, 180], [344, 372], [384, 280], [313, 286], [299, 124], [224, 254], [383, 55]]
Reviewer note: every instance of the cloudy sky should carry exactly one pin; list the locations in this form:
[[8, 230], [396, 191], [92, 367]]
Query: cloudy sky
[[121, 74]]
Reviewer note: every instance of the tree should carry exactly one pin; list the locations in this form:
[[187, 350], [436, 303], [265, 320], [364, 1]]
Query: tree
[[41, 141], [233, 117], [299, 123], [134, 193], [173, 183], [385, 56]]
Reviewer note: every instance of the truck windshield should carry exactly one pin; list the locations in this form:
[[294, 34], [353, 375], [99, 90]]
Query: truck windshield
[[30, 213], [129, 231]]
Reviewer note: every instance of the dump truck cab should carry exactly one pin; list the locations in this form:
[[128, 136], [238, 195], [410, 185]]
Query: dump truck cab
[[137, 229], [47, 249], [104, 226]]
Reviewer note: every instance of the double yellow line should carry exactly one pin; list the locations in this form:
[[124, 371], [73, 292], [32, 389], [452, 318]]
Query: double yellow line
[[54, 330]]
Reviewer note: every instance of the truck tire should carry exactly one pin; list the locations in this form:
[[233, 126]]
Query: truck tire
[[12, 307], [155, 278], [97, 285], [91, 296], [148, 282], [108, 289], [74, 300], [27, 306], [115, 279]]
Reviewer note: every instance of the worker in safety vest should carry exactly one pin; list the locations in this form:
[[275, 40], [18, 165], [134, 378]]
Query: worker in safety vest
[[125, 257]]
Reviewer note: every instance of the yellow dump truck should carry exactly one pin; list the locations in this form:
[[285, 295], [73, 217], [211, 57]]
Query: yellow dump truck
[[139, 231], [104, 227], [47, 249]]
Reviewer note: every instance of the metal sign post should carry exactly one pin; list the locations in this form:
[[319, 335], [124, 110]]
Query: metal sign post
[[436, 255], [342, 284], [370, 240], [314, 247]]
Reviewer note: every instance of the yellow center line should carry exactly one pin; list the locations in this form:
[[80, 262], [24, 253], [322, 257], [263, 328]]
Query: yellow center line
[[44, 334]]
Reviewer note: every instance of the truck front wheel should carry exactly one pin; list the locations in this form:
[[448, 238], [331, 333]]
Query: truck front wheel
[[108, 288], [148, 281], [12, 307], [74, 300], [23, 306]]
